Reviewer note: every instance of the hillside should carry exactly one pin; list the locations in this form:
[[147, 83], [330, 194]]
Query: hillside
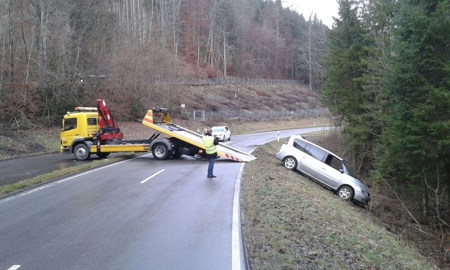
[[38, 139], [237, 97]]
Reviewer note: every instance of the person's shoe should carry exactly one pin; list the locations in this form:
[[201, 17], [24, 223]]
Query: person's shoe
[[211, 176]]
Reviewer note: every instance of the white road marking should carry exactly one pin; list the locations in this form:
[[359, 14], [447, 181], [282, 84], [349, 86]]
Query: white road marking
[[24, 193], [20, 194], [81, 174], [153, 175], [236, 224], [14, 267]]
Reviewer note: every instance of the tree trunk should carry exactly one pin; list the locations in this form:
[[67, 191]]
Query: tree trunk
[[43, 36], [11, 43], [224, 52], [309, 53]]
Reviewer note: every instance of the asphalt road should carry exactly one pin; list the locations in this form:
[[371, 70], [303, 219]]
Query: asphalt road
[[15, 170], [135, 214]]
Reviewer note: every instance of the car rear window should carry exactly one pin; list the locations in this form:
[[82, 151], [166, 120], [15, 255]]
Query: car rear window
[[300, 145]]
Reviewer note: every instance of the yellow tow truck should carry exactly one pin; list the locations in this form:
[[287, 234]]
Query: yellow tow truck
[[91, 130]]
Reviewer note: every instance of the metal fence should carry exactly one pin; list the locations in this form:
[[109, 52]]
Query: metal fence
[[246, 115], [224, 81]]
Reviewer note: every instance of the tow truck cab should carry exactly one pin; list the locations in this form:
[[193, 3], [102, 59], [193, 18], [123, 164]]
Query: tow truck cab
[[78, 126]]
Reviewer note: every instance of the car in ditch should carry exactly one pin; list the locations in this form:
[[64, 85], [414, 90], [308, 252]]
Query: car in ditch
[[223, 133], [325, 167]]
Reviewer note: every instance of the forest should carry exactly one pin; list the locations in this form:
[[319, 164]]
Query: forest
[[387, 82], [383, 70], [55, 54]]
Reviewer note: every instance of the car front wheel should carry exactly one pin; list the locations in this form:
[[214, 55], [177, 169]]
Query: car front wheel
[[290, 163], [345, 192]]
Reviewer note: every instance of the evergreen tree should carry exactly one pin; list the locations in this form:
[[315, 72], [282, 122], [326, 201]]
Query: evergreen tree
[[343, 89], [377, 17], [416, 141]]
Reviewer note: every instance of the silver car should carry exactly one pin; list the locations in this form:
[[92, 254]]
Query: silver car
[[320, 164]]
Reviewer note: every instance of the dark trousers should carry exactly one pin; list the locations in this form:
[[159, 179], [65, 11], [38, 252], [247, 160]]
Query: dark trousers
[[211, 165]]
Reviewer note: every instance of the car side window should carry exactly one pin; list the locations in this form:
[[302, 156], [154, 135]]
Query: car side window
[[334, 162], [317, 153]]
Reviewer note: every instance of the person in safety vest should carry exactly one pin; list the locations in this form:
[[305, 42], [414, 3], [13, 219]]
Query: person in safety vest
[[210, 143]]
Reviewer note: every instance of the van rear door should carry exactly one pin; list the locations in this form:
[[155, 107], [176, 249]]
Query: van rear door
[[330, 172], [312, 160]]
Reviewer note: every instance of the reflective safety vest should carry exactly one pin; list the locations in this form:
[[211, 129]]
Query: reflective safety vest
[[208, 141]]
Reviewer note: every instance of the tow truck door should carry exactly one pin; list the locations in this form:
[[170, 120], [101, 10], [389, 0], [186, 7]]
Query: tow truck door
[[69, 131]]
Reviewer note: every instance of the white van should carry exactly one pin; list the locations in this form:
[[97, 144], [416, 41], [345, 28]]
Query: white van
[[327, 168], [223, 133]]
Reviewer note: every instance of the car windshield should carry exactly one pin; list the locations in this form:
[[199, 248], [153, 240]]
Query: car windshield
[[347, 169], [217, 129]]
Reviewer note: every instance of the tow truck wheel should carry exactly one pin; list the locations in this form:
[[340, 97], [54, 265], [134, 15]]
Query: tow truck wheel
[[160, 151], [81, 152]]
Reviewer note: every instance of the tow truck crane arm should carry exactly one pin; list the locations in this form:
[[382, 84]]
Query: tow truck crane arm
[[108, 129]]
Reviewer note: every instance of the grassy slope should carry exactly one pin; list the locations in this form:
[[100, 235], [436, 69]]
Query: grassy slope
[[290, 222]]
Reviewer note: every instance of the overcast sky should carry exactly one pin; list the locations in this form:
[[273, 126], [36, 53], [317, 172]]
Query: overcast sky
[[325, 9]]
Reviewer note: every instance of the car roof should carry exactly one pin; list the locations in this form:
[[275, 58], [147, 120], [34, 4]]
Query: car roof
[[328, 151]]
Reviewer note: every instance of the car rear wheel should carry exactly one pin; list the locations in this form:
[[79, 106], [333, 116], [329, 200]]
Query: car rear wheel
[[345, 192], [290, 163]]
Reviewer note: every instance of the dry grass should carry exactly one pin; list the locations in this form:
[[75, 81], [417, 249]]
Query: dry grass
[[22, 143]]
